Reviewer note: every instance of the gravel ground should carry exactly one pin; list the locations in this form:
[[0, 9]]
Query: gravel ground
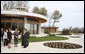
[[38, 47]]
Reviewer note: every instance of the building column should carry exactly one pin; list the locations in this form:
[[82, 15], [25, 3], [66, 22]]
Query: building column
[[39, 27], [11, 25], [25, 22]]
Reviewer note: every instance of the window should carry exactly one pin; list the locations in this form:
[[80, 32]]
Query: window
[[3, 25], [8, 25], [28, 27], [16, 18], [32, 20], [31, 28], [14, 25], [20, 26], [55, 30], [3, 17], [9, 18], [35, 29]]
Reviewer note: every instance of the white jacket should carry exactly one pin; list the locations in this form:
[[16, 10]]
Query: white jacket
[[5, 35]]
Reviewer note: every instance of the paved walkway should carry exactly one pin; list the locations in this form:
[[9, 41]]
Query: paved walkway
[[38, 47]]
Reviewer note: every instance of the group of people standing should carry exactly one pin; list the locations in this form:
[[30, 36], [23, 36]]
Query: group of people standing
[[6, 37]]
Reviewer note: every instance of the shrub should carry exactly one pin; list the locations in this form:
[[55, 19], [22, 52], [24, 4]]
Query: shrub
[[28, 34], [47, 31], [33, 37], [66, 32], [51, 35]]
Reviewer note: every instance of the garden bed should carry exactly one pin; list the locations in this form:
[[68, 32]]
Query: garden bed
[[62, 45]]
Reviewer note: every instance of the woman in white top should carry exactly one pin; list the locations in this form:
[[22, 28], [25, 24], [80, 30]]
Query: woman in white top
[[5, 37]]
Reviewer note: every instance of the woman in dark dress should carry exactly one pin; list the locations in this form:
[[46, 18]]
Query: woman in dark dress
[[9, 37], [21, 38], [2, 33], [16, 33]]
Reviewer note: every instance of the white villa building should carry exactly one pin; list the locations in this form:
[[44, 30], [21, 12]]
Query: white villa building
[[20, 18]]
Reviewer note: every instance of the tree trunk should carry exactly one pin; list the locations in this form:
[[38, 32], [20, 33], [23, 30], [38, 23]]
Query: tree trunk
[[49, 25], [53, 23]]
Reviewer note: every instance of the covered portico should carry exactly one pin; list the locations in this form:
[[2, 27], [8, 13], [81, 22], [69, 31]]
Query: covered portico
[[21, 19]]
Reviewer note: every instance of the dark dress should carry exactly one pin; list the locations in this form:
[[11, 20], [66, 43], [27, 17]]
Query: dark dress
[[25, 42], [9, 36], [16, 37], [2, 33]]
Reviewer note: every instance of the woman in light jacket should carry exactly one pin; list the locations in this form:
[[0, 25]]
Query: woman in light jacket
[[5, 37]]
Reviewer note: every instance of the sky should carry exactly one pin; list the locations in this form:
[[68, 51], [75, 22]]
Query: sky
[[72, 11]]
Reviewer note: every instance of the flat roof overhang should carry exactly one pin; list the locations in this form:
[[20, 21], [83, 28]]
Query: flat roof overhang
[[24, 14], [49, 27]]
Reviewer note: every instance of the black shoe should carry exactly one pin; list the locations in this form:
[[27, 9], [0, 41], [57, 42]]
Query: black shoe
[[24, 47]]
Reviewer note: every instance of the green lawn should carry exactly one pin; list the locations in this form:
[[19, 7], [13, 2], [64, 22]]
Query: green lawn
[[49, 38]]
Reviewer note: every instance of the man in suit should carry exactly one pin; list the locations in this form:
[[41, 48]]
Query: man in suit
[[25, 38]]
